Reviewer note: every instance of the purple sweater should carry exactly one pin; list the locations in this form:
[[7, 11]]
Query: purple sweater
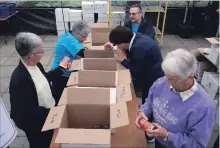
[[190, 123]]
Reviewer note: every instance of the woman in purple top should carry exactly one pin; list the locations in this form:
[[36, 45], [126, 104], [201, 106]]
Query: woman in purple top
[[182, 111]]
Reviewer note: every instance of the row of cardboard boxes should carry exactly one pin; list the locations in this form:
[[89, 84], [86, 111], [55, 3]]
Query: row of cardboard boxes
[[66, 17], [96, 95]]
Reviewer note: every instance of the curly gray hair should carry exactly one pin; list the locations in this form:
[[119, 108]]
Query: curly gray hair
[[180, 62], [81, 28]]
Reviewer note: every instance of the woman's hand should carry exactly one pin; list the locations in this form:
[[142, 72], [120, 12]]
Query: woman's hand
[[139, 116]]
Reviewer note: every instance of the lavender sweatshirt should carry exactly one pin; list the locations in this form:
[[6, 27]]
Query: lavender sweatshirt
[[189, 123]]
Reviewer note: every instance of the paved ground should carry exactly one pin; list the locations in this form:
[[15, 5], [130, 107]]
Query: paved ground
[[9, 60]]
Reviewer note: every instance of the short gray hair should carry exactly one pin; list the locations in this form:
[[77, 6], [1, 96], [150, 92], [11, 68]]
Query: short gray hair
[[26, 43], [180, 62], [81, 28]]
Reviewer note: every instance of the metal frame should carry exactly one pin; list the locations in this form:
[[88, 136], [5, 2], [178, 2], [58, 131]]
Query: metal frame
[[159, 34]]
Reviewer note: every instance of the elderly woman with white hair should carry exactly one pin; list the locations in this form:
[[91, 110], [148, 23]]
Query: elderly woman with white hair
[[31, 94], [70, 45], [183, 113]]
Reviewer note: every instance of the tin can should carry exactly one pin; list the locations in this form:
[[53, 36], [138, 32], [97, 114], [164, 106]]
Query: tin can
[[65, 63], [144, 124]]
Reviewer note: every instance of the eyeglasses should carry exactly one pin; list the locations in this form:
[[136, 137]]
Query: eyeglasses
[[134, 13], [42, 51]]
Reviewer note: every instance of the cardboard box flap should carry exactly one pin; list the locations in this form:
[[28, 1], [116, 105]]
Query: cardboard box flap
[[118, 115], [120, 67], [73, 79], [124, 77], [91, 95], [213, 40], [83, 136], [54, 118], [63, 98], [123, 93], [98, 54], [99, 25], [108, 64], [76, 65], [105, 78]]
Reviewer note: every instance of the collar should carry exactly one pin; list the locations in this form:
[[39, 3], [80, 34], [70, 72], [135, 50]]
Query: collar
[[132, 40], [26, 66], [188, 93]]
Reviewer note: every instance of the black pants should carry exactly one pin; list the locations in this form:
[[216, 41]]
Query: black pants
[[58, 85], [216, 145], [39, 140], [158, 145]]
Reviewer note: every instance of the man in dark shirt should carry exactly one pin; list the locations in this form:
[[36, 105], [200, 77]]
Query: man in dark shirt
[[138, 23]]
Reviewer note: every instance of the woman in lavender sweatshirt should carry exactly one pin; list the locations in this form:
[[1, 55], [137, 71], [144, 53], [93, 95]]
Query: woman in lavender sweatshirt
[[182, 111]]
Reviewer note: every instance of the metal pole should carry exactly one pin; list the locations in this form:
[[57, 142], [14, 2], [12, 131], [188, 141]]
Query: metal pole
[[110, 14], [164, 20]]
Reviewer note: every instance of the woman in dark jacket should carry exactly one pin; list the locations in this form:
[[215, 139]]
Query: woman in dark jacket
[[31, 94]]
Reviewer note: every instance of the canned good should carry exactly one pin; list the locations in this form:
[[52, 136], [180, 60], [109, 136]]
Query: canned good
[[65, 63], [144, 124]]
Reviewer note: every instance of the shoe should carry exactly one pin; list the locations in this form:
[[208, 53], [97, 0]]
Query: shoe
[[150, 139]]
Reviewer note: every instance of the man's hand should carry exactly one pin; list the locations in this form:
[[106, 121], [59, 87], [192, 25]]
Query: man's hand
[[108, 46], [160, 132], [139, 116]]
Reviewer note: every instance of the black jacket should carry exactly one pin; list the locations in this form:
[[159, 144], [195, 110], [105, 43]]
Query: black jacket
[[146, 27], [25, 109], [144, 61]]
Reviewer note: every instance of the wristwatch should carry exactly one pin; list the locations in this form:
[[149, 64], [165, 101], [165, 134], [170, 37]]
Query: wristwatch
[[166, 138]]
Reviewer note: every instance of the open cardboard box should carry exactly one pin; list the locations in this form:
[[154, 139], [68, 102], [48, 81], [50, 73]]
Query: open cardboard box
[[100, 33], [122, 93], [77, 118], [99, 54], [95, 78], [108, 64]]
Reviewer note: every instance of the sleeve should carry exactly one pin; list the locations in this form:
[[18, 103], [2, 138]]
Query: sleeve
[[150, 29], [52, 74], [126, 63], [198, 135], [147, 106], [73, 46], [81, 53], [22, 99]]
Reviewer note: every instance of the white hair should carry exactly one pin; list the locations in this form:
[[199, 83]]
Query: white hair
[[26, 43], [181, 63], [81, 28]]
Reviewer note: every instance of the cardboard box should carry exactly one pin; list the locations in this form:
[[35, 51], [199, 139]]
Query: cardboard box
[[100, 33], [94, 78], [108, 64], [214, 56], [75, 15], [111, 95], [60, 25], [62, 12], [77, 119], [88, 7], [100, 6], [210, 81], [127, 136], [98, 53]]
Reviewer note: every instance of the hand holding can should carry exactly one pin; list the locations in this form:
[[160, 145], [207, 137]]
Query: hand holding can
[[65, 63]]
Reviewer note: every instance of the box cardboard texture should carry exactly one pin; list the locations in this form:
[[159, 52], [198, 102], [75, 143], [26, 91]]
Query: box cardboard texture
[[100, 33], [210, 81], [77, 117]]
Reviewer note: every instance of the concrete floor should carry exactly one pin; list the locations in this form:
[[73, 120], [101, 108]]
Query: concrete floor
[[9, 60]]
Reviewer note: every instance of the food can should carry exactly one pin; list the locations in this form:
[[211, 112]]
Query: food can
[[65, 63], [144, 124]]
